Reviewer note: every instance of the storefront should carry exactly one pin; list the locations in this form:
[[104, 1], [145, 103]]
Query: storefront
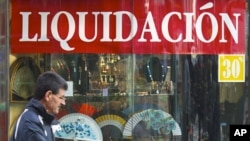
[[156, 70]]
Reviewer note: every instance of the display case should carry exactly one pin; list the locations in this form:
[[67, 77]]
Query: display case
[[132, 93], [134, 97]]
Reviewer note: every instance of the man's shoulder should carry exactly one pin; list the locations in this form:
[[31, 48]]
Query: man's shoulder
[[30, 115]]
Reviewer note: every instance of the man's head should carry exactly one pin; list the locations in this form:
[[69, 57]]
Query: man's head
[[50, 90]]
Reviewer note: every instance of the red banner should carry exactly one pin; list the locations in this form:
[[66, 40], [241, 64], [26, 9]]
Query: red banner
[[128, 26]]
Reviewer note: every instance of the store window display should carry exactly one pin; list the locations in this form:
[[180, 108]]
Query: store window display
[[129, 107], [109, 100], [136, 79]]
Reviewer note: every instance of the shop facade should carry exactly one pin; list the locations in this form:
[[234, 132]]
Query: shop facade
[[153, 70]]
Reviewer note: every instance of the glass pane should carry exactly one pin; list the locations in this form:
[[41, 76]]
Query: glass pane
[[137, 97]]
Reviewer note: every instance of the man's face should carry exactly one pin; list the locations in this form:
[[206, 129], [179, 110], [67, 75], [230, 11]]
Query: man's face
[[56, 101]]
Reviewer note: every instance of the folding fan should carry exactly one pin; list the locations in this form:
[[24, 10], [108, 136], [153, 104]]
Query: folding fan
[[78, 126], [157, 120], [111, 123], [87, 109]]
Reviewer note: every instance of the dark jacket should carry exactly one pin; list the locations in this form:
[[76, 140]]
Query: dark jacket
[[34, 124]]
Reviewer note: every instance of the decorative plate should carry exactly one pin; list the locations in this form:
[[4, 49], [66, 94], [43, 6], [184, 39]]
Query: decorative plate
[[78, 126], [156, 120], [23, 74]]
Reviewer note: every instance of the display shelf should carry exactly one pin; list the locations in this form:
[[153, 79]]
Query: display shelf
[[112, 83], [85, 98]]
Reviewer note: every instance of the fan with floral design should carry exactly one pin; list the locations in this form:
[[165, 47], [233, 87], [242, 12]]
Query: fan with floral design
[[160, 122]]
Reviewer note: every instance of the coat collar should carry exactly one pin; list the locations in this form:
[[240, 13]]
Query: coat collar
[[36, 106]]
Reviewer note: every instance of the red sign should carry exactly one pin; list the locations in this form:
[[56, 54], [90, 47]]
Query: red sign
[[128, 26]]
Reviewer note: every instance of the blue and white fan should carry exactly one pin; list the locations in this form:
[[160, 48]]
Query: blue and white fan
[[78, 127]]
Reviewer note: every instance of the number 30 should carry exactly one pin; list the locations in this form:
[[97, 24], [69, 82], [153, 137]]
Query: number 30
[[232, 69]]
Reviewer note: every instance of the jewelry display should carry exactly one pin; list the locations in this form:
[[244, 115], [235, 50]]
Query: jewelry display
[[163, 72], [107, 69], [156, 73], [75, 69]]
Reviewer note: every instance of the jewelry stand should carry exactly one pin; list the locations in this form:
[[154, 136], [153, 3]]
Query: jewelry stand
[[155, 72]]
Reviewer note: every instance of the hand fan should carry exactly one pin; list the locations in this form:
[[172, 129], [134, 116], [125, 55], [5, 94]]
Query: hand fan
[[87, 109], [157, 120], [78, 126], [111, 123]]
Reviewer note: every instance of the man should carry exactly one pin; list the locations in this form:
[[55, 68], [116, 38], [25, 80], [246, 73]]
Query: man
[[34, 124]]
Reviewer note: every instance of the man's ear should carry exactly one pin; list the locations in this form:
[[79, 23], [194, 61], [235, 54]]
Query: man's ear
[[47, 95]]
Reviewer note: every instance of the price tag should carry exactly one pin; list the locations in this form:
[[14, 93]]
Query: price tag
[[231, 68]]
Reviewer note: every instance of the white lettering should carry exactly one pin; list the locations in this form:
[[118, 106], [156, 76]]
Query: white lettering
[[243, 131], [44, 28], [82, 26], [214, 28], [119, 23], [54, 30], [237, 132], [106, 23], [164, 27], [25, 28], [189, 27], [214, 23], [150, 22], [99, 28], [233, 30], [240, 132]]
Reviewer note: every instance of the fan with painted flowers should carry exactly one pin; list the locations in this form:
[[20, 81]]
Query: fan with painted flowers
[[156, 122]]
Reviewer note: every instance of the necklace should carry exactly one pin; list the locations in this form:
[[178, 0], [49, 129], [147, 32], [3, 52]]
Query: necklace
[[154, 65]]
